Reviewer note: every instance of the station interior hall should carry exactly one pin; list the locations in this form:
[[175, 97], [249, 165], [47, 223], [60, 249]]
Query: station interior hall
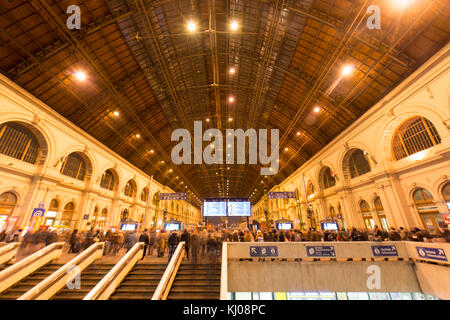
[[224, 150]]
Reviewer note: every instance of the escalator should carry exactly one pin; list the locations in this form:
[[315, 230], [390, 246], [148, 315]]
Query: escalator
[[196, 281], [29, 282], [89, 277], [140, 282]]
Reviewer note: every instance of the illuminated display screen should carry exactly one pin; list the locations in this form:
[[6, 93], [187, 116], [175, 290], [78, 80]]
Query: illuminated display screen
[[172, 227], [330, 226], [128, 227], [239, 208], [214, 209], [284, 226]]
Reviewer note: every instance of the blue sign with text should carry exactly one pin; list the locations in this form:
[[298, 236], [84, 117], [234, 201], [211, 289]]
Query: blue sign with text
[[320, 251], [264, 251], [381, 251], [432, 253], [173, 196]]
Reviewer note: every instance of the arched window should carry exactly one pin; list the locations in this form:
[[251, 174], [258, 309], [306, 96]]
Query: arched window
[[310, 190], [74, 166], [332, 212], [67, 214], [327, 178], [380, 213], [357, 163], [446, 194], [367, 215], [414, 135], [428, 210], [102, 220], [8, 202], [52, 212], [18, 142], [130, 188], [144, 194], [107, 181]]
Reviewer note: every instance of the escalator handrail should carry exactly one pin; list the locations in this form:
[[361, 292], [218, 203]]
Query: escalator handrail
[[169, 272], [9, 247], [5, 274], [61, 272], [101, 287]]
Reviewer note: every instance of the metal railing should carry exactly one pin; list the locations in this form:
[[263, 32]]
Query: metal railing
[[8, 252], [107, 285], [56, 281], [29, 264], [164, 286]]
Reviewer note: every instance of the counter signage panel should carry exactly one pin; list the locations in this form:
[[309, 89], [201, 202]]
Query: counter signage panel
[[380, 251], [320, 251], [431, 253], [263, 251]]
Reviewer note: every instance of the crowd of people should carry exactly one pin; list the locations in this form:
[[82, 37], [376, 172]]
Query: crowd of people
[[199, 243]]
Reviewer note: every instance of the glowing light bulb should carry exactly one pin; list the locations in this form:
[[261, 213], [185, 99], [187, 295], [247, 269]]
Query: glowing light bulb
[[234, 25], [346, 70], [80, 75], [191, 26]]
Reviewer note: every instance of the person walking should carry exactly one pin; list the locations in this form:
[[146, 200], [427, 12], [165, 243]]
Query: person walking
[[146, 240], [186, 237], [73, 241], [173, 243], [195, 245], [161, 244]]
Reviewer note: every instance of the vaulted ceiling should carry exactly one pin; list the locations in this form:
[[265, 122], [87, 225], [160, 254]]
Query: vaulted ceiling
[[142, 62]]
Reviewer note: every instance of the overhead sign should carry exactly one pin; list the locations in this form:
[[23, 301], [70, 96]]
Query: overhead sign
[[281, 195], [264, 251], [431, 253], [320, 251], [381, 251], [38, 212], [173, 196]]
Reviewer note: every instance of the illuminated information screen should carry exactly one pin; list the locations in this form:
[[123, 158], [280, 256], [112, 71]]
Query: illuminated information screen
[[239, 208], [214, 209]]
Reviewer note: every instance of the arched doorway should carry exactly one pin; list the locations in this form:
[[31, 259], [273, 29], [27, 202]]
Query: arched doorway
[[52, 212], [102, 219], [366, 214], [95, 217], [67, 215], [8, 202], [428, 210], [380, 213]]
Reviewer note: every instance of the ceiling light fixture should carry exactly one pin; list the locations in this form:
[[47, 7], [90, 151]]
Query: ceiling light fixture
[[80, 75], [346, 70], [191, 26], [234, 25]]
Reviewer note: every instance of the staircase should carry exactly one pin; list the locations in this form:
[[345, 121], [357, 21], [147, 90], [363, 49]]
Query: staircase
[[196, 281], [89, 277], [29, 282], [140, 283]]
